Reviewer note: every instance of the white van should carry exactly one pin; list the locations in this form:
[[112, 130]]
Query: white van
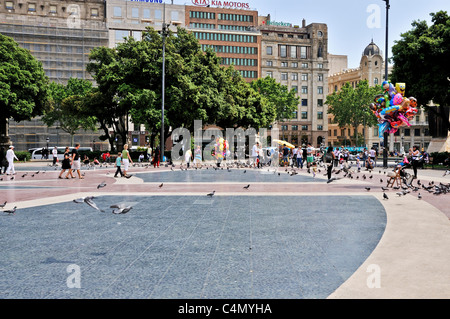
[[37, 153]]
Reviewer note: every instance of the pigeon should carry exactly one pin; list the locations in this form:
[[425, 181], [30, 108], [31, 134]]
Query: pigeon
[[399, 194], [419, 196], [246, 187], [211, 194], [92, 204], [24, 175], [368, 188], [11, 211], [161, 185], [3, 205], [102, 184], [88, 200], [447, 172], [120, 209], [385, 196], [128, 176]]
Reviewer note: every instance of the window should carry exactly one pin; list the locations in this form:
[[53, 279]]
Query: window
[[294, 76], [320, 115], [135, 13], [417, 132], [320, 89], [304, 77], [302, 52], [32, 7], [407, 132], [293, 51], [304, 89], [283, 51], [295, 88], [320, 65], [52, 9], [120, 34], [146, 14], [158, 14], [319, 34], [320, 77], [294, 65], [269, 51], [304, 115], [320, 127], [117, 11], [269, 74], [304, 127], [304, 102], [375, 81], [284, 76], [9, 5], [294, 127], [284, 64], [304, 65], [94, 12], [269, 63], [319, 102]]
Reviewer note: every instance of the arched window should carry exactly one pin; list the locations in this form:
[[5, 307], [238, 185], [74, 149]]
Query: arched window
[[375, 81]]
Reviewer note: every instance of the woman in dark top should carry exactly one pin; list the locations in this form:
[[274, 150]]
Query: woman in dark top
[[329, 159], [65, 163], [3, 161]]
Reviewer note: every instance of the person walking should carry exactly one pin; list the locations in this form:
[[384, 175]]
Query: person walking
[[65, 165], [119, 165], [309, 156], [55, 155], [188, 157], [198, 156], [75, 162], [126, 159], [329, 159], [3, 161], [10, 156], [415, 155], [156, 157]]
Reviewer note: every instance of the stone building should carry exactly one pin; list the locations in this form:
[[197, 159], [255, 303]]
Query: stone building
[[60, 34], [371, 68], [296, 56]]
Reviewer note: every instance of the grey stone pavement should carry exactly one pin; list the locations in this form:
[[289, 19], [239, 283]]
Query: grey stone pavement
[[285, 237]]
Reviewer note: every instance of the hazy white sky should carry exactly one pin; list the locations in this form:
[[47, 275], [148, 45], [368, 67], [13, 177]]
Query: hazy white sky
[[351, 23]]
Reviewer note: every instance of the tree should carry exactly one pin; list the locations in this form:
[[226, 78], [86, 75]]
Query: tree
[[421, 62], [23, 85], [349, 106], [66, 102]]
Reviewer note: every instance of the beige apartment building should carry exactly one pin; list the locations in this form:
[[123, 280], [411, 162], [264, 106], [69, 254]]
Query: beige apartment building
[[296, 56], [60, 34]]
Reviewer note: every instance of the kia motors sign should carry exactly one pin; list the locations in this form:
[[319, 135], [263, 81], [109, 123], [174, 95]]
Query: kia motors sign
[[224, 4]]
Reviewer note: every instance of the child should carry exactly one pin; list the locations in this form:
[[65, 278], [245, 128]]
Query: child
[[118, 165], [65, 164]]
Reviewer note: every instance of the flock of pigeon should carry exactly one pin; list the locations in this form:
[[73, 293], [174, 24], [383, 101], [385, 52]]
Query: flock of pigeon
[[402, 190]]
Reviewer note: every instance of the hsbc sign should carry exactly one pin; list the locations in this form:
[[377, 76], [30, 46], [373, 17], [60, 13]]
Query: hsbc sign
[[224, 4]]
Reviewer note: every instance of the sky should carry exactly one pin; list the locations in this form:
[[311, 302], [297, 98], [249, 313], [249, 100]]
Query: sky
[[351, 23]]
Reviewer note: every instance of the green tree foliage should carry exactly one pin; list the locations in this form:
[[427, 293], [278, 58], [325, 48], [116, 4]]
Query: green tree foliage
[[129, 79], [421, 61], [349, 105], [66, 104], [23, 84]]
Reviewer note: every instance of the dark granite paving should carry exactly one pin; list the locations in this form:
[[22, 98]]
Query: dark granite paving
[[189, 246], [234, 175]]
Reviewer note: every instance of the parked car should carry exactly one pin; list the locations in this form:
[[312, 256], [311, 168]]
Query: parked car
[[37, 153]]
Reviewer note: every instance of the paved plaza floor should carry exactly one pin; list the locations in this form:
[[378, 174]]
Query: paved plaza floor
[[286, 236]]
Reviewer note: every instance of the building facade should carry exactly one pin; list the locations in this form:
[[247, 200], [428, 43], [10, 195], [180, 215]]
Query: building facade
[[231, 33], [60, 34], [372, 69], [296, 56]]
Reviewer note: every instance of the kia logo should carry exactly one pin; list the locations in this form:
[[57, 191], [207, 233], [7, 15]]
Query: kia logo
[[201, 3]]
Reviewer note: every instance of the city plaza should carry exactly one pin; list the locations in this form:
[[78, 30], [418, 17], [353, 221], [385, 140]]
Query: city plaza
[[286, 236]]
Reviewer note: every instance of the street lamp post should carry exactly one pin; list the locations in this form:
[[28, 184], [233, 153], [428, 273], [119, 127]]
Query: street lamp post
[[386, 135], [164, 32]]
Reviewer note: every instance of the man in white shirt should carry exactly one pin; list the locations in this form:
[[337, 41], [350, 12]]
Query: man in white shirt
[[10, 156], [55, 155], [255, 150]]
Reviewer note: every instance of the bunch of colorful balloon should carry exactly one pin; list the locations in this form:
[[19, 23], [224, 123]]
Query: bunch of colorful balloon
[[393, 109]]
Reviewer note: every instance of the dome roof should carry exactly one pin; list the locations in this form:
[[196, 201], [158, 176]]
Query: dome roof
[[372, 49]]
